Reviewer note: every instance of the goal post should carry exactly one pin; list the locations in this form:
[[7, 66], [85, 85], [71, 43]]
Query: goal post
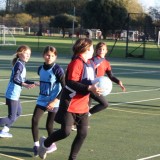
[[158, 38], [6, 36]]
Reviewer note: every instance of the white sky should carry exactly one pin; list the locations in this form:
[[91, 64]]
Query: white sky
[[150, 3], [145, 3]]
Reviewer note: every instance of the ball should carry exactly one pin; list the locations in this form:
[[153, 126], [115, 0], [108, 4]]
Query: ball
[[105, 83]]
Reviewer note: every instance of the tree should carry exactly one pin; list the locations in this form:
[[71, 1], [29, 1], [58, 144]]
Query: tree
[[154, 12], [63, 21], [132, 6], [22, 21], [105, 15]]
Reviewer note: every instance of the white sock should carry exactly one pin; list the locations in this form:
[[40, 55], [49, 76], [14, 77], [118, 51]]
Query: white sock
[[89, 114], [36, 143], [5, 129]]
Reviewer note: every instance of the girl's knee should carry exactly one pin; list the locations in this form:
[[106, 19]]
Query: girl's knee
[[66, 132], [35, 120]]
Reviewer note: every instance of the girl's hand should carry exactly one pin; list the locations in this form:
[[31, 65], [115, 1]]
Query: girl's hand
[[122, 87], [96, 90], [36, 83], [28, 86], [52, 104]]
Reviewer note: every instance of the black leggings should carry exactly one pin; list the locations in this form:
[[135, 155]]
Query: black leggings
[[81, 121], [37, 114], [103, 103]]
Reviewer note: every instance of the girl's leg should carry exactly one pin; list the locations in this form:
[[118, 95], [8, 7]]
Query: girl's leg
[[50, 128], [102, 104], [61, 133], [50, 121], [19, 109], [14, 111], [37, 114], [82, 128]]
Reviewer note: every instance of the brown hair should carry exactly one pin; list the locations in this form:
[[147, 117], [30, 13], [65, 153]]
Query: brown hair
[[50, 48], [81, 45], [20, 50], [99, 45]]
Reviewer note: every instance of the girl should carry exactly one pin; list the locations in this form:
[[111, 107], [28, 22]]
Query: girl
[[51, 83], [15, 85], [102, 67], [74, 100]]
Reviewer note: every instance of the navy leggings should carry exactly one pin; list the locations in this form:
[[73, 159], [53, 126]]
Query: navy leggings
[[14, 111]]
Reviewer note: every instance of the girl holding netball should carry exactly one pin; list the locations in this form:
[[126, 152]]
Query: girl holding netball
[[102, 68]]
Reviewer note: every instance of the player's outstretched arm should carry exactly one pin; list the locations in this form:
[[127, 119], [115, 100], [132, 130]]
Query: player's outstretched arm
[[122, 86]]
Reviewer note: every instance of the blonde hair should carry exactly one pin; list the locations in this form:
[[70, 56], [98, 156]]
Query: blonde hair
[[20, 50]]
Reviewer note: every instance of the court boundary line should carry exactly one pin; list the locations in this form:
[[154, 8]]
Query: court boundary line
[[12, 157], [149, 90], [121, 110], [150, 157], [146, 90], [145, 100]]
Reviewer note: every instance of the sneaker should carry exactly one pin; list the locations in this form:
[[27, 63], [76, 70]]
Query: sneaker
[[35, 150], [42, 151], [52, 148], [5, 134], [74, 128]]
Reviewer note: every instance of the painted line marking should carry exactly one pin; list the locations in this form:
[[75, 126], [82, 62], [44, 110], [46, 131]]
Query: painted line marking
[[121, 110], [145, 100], [149, 90], [137, 72], [144, 113], [158, 155], [5, 155]]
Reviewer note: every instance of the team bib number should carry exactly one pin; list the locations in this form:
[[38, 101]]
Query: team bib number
[[45, 88]]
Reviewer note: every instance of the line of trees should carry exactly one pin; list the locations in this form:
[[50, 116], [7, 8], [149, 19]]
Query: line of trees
[[106, 15]]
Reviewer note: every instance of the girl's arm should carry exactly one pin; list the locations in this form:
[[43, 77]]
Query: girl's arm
[[114, 79], [60, 75], [17, 79]]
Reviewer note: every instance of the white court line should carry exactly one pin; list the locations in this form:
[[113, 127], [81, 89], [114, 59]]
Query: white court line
[[133, 112], [149, 90], [118, 109], [135, 72], [137, 91], [5, 155], [109, 108], [21, 102], [158, 155], [2, 103], [142, 113], [145, 100]]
